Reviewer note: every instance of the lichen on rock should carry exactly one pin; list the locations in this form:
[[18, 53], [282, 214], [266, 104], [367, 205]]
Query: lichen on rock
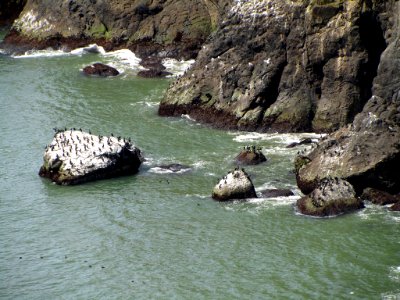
[[75, 157]]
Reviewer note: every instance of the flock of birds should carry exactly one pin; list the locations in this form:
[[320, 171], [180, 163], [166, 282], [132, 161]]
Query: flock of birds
[[77, 152]]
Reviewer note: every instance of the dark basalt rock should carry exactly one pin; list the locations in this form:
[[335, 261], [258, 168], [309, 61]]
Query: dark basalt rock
[[395, 207], [153, 73], [75, 157], [286, 66], [235, 185], [379, 197], [174, 168], [174, 28], [250, 156], [272, 193], [331, 197], [99, 69], [302, 142]]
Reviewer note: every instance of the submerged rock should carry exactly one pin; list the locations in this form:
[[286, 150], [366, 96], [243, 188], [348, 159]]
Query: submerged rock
[[99, 69], [379, 197], [272, 193], [171, 169], [250, 156], [302, 142], [235, 185], [75, 157], [332, 196]]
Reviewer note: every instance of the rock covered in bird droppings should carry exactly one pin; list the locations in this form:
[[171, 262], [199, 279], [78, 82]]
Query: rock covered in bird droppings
[[332, 196], [75, 157], [235, 185]]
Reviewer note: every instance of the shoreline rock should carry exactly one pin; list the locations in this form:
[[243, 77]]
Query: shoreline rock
[[250, 155], [331, 197], [99, 69], [378, 197], [75, 157], [272, 193], [235, 185]]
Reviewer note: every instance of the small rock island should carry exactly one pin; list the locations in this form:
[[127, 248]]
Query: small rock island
[[75, 157]]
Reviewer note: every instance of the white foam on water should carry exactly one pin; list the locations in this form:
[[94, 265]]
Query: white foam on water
[[145, 103], [158, 170], [177, 67], [92, 48], [42, 53], [285, 138]]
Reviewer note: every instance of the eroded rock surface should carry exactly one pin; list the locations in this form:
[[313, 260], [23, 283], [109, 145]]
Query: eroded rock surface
[[286, 65], [75, 157], [177, 28], [235, 185], [379, 197], [331, 197]]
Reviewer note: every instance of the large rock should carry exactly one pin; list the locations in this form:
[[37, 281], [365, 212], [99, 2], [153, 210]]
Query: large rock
[[286, 65], [99, 69], [75, 157], [235, 185], [331, 197], [379, 197], [177, 28], [367, 152], [250, 155]]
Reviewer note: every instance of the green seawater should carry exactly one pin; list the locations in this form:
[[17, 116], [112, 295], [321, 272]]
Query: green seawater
[[161, 236]]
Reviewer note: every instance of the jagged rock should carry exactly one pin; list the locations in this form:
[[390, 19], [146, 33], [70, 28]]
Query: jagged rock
[[302, 142], [272, 193], [331, 197], [75, 157], [395, 207], [286, 66], [155, 68], [175, 28], [99, 69], [235, 185], [367, 152], [379, 197], [250, 156]]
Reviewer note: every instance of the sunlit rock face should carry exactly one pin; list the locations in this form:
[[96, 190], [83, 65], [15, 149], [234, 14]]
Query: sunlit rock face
[[235, 185], [75, 157], [331, 197], [286, 66]]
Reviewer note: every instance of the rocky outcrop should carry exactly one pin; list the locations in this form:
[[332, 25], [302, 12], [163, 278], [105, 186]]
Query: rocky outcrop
[[286, 66], [75, 157], [175, 28], [367, 152], [235, 185], [331, 197], [99, 69], [379, 197], [395, 207], [250, 155]]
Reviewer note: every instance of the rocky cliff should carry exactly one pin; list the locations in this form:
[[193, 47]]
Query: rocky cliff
[[286, 65], [174, 28]]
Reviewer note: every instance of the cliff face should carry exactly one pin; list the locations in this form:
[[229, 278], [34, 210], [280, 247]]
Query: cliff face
[[366, 153], [286, 66], [146, 26]]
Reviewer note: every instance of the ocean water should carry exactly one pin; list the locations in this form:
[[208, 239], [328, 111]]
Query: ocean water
[[157, 235]]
